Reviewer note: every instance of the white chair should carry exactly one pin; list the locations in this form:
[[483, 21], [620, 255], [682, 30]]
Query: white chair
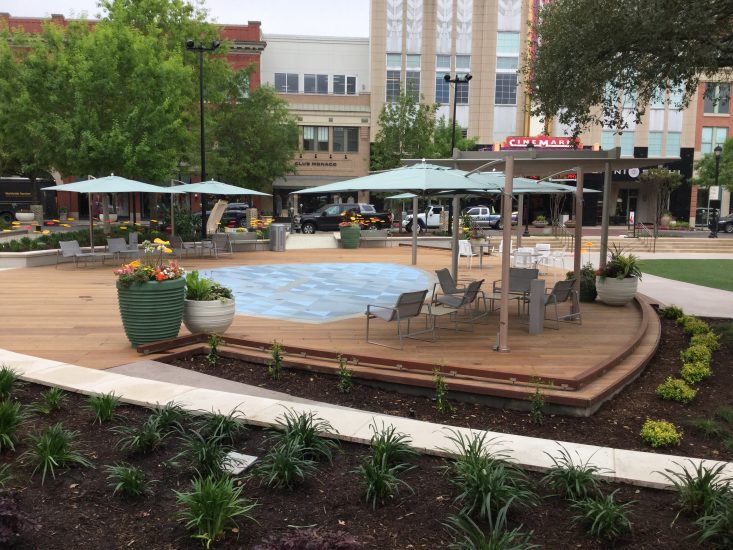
[[557, 258], [542, 254], [524, 257], [501, 247], [464, 249]]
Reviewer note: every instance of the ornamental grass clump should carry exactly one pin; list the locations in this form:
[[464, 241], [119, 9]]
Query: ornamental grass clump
[[127, 480], [470, 536], [570, 480], [12, 417], [305, 429], [8, 378], [103, 406], [230, 427], [660, 433], [51, 400], [285, 465], [142, 439], [151, 267], [602, 517], [54, 447], [205, 453], [692, 373], [676, 389], [699, 488]]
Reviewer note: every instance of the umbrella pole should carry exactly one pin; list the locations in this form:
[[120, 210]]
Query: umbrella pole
[[454, 237], [415, 227], [91, 225], [173, 216]]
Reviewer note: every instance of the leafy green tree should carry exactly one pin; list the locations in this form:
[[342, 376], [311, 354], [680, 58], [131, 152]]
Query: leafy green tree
[[254, 139], [705, 168], [442, 139], [663, 181], [406, 130], [591, 52]]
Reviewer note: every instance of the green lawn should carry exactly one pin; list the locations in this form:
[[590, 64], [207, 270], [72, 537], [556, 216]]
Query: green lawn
[[710, 273]]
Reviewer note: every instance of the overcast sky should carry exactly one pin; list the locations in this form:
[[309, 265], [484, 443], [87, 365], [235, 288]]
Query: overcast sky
[[310, 17]]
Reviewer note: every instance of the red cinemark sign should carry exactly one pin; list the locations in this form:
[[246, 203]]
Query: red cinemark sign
[[540, 142]]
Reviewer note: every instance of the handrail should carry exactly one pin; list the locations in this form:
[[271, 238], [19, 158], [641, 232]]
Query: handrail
[[646, 236], [566, 237]]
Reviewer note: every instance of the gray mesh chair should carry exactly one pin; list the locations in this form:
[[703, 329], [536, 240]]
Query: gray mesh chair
[[71, 249], [464, 301], [446, 283], [561, 293], [118, 247], [408, 306], [519, 281]]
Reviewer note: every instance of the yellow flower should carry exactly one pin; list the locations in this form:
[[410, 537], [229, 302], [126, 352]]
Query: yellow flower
[[158, 240], [46, 232], [167, 250], [14, 223], [65, 225], [36, 231], [55, 221], [71, 219], [588, 243], [135, 263], [122, 227], [6, 230]]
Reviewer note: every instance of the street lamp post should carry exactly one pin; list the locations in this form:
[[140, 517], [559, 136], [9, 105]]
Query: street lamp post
[[455, 81], [191, 46], [714, 226]]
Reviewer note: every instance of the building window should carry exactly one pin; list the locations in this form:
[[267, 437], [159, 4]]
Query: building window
[[412, 61], [673, 144], [506, 89], [717, 99], [394, 60], [463, 63], [507, 63], [442, 89], [461, 91], [627, 144], [286, 83], [675, 97], [507, 42], [315, 83], [655, 144], [442, 63], [711, 138], [393, 86], [658, 99], [608, 140], [343, 84], [315, 138], [345, 140], [412, 84]]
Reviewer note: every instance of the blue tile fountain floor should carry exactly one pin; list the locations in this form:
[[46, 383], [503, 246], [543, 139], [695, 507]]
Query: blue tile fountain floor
[[317, 293]]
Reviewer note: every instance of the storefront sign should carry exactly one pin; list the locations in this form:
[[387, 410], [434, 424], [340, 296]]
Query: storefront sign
[[316, 163], [540, 142]]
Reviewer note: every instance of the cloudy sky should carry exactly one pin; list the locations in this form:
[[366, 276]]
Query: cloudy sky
[[311, 17]]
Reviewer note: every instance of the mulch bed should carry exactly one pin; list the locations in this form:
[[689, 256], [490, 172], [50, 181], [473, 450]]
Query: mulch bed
[[617, 424], [77, 508]]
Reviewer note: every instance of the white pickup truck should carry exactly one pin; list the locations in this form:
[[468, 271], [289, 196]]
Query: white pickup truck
[[430, 219]]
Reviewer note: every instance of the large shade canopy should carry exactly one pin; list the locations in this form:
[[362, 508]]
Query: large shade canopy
[[212, 187], [108, 184]]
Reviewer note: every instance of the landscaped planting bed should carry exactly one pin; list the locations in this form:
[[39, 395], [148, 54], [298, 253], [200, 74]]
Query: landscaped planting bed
[[618, 424], [77, 507]]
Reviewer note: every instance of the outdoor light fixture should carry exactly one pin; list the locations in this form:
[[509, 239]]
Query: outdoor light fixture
[[714, 227], [191, 46], [456, 81]]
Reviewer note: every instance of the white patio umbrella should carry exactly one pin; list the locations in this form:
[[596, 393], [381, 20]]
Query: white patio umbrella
[[108, 184]]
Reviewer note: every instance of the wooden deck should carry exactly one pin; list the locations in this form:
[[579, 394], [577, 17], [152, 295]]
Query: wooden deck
[[71, 315]]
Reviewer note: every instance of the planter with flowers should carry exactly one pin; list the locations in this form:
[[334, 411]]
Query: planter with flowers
[[151, 293], [208, 307], [350, 229], [616, 283]]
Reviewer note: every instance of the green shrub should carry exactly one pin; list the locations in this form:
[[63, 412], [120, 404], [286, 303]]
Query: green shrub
[[708, 428], [692, 325], [698, 488], [141, 439], [274, 366], [389, 445], [8, 378], [696, 354], [469, 536], [708, 339], [537, 404], [206, 454], [12, 417], [344, 375], [54, 448], [602, 517], [103, 406], [660, 433], [692, 373], [381, 480], [305, 429], [572, 481], [486, 483], [51, 400], [285, 465], [211, 506], [716, 526], [726, 413], [441, 392], [676, 389], [127, 480], [212, 358], [672, 312]]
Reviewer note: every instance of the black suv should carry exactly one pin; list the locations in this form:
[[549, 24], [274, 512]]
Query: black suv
[[328, 218]]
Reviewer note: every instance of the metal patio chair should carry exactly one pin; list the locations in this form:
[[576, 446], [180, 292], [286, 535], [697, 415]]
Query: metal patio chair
[[561, 293], [407, 306], [71, 249]]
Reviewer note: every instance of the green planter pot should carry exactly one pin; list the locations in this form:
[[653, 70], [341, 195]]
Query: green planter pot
[[350, 236], [151, 311]]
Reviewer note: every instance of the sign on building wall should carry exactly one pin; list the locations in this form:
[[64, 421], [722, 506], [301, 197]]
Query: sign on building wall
[[541, 142]]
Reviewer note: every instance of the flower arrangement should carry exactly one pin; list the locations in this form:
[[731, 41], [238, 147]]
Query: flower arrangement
[[355, 219], [620, 266], [151, 267], [203, 289]]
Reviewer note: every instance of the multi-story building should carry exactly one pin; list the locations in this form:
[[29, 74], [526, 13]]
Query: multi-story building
[[326, 82]]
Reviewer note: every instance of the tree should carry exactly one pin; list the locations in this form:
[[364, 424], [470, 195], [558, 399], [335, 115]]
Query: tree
[[663, 181], [590, 53], [254, 139], [406, 129], [705, 168], [442, 139]]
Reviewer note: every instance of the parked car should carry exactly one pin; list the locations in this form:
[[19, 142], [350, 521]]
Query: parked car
[[328, 217], [485, 216], [235, 215], [726, 223]]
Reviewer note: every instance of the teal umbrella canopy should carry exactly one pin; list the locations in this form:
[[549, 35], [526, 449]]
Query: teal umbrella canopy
[[111, 184], [212, 187], [419, 178]]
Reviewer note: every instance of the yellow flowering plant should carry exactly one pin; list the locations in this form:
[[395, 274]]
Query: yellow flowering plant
[[151, 267]]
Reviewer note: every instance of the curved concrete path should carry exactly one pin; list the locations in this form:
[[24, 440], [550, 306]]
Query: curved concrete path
[[634, 467]]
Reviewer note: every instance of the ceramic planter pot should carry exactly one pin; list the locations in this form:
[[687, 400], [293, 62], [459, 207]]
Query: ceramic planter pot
[[152, 310], [209, 317], [25, 216], [350, 236], [616, 292], [112, 217]]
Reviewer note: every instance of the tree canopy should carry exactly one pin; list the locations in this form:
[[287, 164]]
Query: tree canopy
[[601, 61], [705, 168]]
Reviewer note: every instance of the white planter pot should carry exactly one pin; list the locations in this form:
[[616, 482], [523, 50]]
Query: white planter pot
[[212, 317], [25, 216], [112, 217], [616, 292]]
